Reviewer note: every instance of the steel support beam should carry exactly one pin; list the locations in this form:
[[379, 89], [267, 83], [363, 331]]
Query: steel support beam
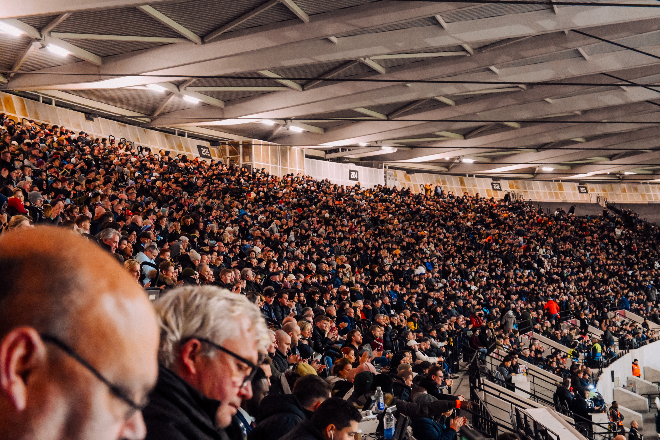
[[240, 20], [167, 21], [97, 37]]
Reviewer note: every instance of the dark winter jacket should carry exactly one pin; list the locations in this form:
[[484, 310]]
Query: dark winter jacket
[[304, 431], [278, 414], [177, 411]]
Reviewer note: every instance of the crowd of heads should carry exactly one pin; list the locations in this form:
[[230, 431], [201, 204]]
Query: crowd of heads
[[379, 282]]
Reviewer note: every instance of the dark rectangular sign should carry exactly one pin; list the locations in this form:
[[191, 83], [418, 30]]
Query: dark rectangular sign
[[497, 186], [582, 189], [204, 151], [353, 175]]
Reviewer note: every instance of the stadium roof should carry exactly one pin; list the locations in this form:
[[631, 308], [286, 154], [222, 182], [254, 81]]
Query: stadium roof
[[545, 90]]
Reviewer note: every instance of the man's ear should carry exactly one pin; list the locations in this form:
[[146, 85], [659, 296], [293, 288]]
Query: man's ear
[[329, 432], [190, 353], [21, 351]]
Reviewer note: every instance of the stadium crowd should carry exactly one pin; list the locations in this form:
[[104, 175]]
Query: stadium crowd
[[359, 288]]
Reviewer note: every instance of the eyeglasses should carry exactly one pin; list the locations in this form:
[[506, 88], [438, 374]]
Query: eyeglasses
[[253, 367], [115, 390]]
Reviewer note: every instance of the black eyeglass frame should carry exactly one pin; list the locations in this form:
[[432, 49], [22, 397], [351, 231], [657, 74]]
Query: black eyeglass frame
[[115, 390], [249, 363]]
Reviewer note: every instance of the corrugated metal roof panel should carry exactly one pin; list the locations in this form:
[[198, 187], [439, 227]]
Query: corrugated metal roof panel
[[307, 70], [12, 48], [109, 48], [141, 101], [43, 59], [38, 21], [254, 80], [386, 109], [177, 103], [276, 14], [490, 10], [123, 21], [401, 62], [204, 16], [232, 96], [358, 69], [313, 7]]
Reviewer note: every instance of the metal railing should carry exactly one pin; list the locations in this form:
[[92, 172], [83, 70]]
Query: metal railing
[[530, 428]]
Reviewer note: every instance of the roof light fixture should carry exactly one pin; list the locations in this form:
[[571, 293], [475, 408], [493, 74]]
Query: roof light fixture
[[57, 50], [156, 88], [547, 169], [296, 129], [191, 99], [468, 160], [268, 122], [9, 29]]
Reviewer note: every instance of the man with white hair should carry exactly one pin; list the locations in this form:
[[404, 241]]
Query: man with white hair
[[209, 352]]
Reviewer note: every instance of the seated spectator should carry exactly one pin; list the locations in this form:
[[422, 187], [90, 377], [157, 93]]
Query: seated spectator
[[209, 351], [435, 383], [340, 370], [279, 414], [334, 419], [78, 340], [445, 428]]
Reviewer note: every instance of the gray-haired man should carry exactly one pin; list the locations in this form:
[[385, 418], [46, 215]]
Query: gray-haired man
[[209, 351]]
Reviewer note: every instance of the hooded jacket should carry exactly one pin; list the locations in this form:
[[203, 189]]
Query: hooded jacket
[[278, 414]]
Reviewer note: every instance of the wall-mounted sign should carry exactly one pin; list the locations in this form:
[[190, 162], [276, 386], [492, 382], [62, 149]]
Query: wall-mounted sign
[[204, 151], [582, 189], [353, 175], [497, 186]]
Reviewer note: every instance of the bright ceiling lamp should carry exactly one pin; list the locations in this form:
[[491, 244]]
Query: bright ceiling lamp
[[234, 121], [388, 150], [57, 50], [296, 129], [9, 29], [157, 88], [363, 144], [191, 99], [268, 122], [547, 169], [468, 160], [627, 173], [509, 168]]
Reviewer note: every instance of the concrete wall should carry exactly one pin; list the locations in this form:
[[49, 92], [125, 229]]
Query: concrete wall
[[531, 189], [20, 108], [278, 160], [338, 173], [648, 356]]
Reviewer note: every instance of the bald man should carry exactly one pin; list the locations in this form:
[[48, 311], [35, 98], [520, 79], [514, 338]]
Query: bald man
[[78, 340], [280, 361]]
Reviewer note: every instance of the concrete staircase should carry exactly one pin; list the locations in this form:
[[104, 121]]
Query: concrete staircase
[[634, 406]]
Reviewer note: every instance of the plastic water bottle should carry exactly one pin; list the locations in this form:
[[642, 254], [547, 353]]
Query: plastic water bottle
[[379, 401], [388, 424]]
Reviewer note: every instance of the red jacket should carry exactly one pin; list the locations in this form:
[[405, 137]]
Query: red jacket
[[553, 307]]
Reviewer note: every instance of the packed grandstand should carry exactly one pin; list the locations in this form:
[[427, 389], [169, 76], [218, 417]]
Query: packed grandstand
[[355, 284]]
